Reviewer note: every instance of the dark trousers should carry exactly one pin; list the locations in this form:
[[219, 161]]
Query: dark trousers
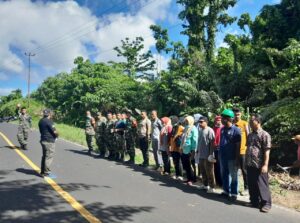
[[259, 187], [217, 169], [177, 164], [186, 163], [166, 161], [144, 146], [244, 170], [193, 164]]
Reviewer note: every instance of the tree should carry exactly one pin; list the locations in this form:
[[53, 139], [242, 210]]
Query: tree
[[202, 27], [162, 38], [15, 94], [136, 60]]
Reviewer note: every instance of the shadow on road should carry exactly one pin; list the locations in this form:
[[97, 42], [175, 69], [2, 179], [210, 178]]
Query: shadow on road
[[33, 201], [10, 147], [166, 181], [28, 172]]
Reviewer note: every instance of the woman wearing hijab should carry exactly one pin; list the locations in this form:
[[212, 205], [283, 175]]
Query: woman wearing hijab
[[165, 137], [188, 147]]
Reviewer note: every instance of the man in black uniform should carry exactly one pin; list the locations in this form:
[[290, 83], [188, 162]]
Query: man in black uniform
[[48, 137]]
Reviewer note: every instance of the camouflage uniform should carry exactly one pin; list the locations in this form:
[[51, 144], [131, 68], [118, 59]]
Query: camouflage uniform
[[89, 133], [120, 140], [130, 137], [100, 135], [110, 139], [23, 129]]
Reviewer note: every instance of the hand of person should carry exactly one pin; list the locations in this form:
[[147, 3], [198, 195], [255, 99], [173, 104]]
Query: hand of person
[[264, 169]]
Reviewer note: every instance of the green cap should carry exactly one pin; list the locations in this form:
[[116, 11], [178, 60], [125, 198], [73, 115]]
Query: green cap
[[228, 113]]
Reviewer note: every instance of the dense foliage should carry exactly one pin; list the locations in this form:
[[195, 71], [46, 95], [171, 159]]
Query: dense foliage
[[259, 69]]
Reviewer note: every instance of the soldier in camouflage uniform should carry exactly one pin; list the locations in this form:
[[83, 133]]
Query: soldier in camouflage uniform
[[24, 127], [119, 137], [109, 136], [100, 134], [130, 136], [89, 131]]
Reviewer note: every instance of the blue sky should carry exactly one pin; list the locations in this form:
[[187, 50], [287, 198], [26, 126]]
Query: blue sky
[[57, 31]]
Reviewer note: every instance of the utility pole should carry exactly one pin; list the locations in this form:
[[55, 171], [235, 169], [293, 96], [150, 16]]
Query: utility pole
[[29, 54]]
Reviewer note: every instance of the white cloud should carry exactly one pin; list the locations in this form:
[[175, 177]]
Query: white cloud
[[6, 91], [42, 27]]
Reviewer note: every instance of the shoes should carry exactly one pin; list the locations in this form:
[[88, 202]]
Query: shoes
[[159, 169], [224, 195], [129, 162], [189, 183], [232, 198], [165, 173], [49, 175], [211, 191], [265, 209], [24, 147], [245, 193], [180, 178], [251, 205], [203, 187]]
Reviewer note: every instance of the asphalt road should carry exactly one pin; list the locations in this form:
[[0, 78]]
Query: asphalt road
[[110, 191]]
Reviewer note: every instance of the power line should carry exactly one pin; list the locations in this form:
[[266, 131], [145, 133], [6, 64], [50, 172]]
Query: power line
[[111, 49], [69, 36], [78, 28]]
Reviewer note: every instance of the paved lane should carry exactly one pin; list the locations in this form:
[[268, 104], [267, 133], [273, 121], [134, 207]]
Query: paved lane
[[110, 191]]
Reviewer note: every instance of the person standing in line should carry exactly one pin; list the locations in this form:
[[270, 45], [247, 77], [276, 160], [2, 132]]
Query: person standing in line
[[89, 131], [119, 137], [205, 151], [144, 134], [217, 165], [100, 134], [25, 124], [195, 160], [165, 137], [130, 135], [109, 136], [48, 137], [188, 147], [229, 153], [156, 127], [176, 134], [243, 126], [257, 162]]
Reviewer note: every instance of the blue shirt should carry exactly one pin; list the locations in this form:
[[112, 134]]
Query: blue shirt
[[229, 138]]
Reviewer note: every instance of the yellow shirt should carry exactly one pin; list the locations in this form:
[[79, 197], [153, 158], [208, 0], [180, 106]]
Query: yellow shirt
[[243, 126]]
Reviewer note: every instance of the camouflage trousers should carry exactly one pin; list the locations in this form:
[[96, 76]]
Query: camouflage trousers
[[120, 147], [22, 135], [89, 141], [130, 147], [102, 146], [111, 145]]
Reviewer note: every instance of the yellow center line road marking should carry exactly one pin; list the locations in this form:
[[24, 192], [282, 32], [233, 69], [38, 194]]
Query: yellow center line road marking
[[71, 200]]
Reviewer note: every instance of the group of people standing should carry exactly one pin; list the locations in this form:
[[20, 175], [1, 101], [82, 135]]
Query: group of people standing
[[216, 154]]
